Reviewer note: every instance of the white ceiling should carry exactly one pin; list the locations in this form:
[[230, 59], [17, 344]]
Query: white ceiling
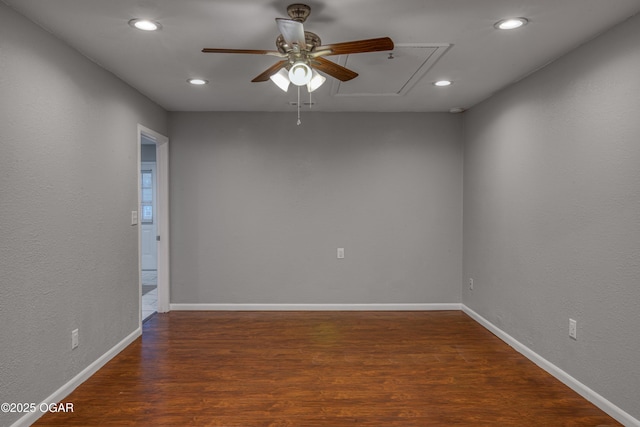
[[479, 59]]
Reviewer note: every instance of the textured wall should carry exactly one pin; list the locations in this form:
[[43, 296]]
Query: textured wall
[[259, 206], [552, 213], [68, 256]]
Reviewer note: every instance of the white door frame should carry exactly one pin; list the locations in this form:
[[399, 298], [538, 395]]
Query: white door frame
[[162, 203]]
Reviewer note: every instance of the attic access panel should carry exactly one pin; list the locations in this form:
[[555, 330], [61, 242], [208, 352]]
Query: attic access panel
[[381, 76]]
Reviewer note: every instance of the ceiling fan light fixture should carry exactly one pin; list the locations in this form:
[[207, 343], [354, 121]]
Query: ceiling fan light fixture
[[511, 23], [145, 24], [316, 81], [300, 74], [281, 79]]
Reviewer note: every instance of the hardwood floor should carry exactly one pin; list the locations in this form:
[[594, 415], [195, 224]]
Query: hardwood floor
[[322, 369]]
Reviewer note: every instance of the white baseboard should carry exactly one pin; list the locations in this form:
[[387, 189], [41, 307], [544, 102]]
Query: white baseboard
[[66, 389], [315, 307], [593, 397]]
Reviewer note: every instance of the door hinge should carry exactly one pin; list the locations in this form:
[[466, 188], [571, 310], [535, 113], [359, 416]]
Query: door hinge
[[157, 238]]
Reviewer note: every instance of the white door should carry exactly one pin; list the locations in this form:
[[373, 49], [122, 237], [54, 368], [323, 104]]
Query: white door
[[148, 216]]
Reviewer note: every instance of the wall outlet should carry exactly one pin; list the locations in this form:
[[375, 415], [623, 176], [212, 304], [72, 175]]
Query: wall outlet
[[74, 339], [470, 284], [573, 329], [340, 253]]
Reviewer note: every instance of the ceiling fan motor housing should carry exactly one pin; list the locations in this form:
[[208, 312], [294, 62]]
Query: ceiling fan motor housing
[[311, 39]]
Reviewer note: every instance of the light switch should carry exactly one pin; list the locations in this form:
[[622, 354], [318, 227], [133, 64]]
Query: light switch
[[340, 253], [134, 217]]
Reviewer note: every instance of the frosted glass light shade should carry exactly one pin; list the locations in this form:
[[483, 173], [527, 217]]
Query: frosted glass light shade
[[316, 81], [300, 74], [281, 78]]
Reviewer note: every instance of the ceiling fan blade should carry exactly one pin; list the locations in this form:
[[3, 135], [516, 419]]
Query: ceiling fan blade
[[358, 46], [249, 51], [270, 71], [292, 31], [333, 69]]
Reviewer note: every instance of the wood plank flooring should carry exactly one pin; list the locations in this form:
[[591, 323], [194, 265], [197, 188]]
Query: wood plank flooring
[[322, 369]]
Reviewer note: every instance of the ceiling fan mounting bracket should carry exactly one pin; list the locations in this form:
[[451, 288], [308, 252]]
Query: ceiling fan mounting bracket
[[299, 12]]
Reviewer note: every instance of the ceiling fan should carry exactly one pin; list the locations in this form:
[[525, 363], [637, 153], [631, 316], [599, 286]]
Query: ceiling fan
[[303, 53]]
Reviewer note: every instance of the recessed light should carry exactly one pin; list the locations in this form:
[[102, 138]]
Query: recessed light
[[511, 23], [198, 82], [442, 83], [145, 24], [456, 110]]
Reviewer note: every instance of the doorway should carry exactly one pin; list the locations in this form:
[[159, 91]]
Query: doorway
[[148, 229], [153, 229]]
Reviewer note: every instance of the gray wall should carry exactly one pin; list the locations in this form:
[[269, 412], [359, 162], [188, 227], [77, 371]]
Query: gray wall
[[552, 213], [68, 184], [259, 206]]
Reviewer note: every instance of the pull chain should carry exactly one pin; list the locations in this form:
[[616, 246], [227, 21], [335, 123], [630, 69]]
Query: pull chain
[[298, 107]]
